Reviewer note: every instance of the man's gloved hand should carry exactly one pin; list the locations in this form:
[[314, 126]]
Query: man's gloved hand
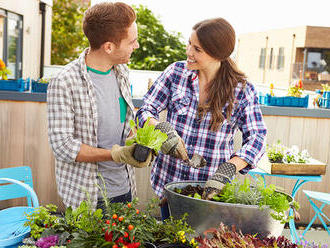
[[224, 174], [174, 145], [124, 154]]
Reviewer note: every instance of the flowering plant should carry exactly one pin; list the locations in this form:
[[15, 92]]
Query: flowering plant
[[4, 71], [120, 226], [278, 153], [296, 89], [223, 236], [43, 80], [271, 89], [325, 87]]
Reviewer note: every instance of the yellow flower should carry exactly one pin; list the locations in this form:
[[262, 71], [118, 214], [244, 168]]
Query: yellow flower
[[2, 64]]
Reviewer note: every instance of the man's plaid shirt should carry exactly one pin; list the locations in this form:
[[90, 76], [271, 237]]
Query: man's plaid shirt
[[177, 90], [72, 120]]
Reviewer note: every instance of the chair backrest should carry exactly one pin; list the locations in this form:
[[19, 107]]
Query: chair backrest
[[12, 191]]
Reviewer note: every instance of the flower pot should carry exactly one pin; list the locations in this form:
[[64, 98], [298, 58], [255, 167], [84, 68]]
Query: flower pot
[[176, 245], [149, 245], [203, 214], [39, 87], [166, 245], [141, 152], [326, 94]]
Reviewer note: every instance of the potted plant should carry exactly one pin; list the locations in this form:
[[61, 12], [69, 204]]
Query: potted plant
[[11, 84], [121, 225], [324, 101], [146, 138], [292, 161], [40, 86], [4, 71], [254, 209], [326, 90], [224, 236], [294, 97]]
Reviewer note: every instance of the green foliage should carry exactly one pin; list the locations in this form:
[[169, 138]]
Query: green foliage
[[147, 136], [83, 217], [40, 219], [158, 48], [325, 87], [68, 39], [121, 224], [296, 89], [43, 80], [262, 195], [275, 152], [224, 237], [237, 192], [4, 71], [278, 153]]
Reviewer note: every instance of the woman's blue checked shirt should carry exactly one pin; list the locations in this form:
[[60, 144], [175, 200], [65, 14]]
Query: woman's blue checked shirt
[[177, 90]]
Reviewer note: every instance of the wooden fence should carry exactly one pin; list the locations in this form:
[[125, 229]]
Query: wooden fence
[[24, 141]]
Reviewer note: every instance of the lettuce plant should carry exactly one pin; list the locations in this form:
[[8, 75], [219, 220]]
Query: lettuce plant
[[146, 136]]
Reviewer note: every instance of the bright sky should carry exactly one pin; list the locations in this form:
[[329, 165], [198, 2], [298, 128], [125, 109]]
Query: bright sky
[[244, 15]]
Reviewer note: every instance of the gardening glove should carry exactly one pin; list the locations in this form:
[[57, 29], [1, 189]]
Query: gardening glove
[[124, 154], [224, 174], [174, 145]]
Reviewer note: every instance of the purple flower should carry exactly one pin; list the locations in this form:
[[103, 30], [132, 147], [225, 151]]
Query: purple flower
[[47, 241]]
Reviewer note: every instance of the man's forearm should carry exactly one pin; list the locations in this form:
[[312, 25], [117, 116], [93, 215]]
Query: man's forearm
[[93, 154]]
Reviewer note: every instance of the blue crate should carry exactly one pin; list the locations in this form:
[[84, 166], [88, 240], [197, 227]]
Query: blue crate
[[324, 103], [15, 84], [283, 101], [39, 87], [326, 94]]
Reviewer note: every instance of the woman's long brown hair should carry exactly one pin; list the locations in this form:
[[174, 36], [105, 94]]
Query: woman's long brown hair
[[217, 38]]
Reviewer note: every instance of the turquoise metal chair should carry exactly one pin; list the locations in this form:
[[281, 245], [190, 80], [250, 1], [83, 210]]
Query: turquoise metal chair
[[16, 183], [324, 198]]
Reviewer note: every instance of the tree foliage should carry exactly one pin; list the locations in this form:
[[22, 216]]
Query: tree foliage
[[158, 48], [68, 39]]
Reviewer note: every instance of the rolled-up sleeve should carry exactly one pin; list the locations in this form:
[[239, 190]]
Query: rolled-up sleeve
[[61, 122], [253, 130], [156, 99]]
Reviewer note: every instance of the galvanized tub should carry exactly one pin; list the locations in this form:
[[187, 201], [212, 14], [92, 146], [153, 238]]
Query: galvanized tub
[[203, 214]]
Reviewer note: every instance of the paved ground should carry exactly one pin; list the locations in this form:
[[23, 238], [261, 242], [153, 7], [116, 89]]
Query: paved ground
[[316, 236]]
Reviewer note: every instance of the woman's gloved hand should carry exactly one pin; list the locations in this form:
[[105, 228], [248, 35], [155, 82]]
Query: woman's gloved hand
[[124, 154], [174, 145], [224, 174]]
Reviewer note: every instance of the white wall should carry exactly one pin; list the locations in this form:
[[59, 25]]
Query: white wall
[[29, 9]]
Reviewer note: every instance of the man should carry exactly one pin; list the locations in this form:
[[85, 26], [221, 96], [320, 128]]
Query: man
[[89, 108]]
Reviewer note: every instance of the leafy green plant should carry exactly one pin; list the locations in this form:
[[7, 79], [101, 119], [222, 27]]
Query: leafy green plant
[[224, 237], [260, 194], [275, 152], [40, 219], [146, 136], [278, 153], [121, 225]]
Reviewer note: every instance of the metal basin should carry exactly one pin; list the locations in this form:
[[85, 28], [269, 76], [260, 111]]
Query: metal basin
[[203, 214]]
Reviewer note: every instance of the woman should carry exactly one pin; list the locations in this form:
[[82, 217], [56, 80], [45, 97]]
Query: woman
[[207, 99]]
